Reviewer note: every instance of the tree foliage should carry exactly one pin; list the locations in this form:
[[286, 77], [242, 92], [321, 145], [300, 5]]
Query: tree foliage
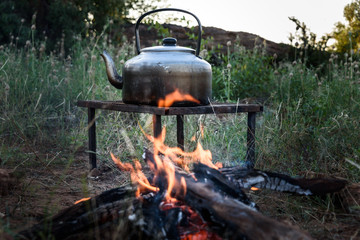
[[347, 36], [61, 21], [308, 48]]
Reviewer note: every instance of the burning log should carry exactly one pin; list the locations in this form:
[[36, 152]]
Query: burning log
[[247, 178], [226, 209], [214, 179], [80, 218], [235, 220], [114, 214]]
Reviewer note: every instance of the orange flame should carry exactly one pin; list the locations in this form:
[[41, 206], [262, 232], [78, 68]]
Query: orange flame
[[202, 130], [81, 200], [137, 174], [172, 157], [165, 165], [254, 188], [178, 156], [176, 96], [166, 160], [175, 155]]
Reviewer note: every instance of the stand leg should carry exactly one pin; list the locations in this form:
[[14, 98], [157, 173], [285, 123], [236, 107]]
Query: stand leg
[[157, 125], [92, 137], [180, 131], [250, 154]]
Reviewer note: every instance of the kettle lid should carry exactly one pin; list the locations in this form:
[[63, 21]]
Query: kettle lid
[[168, 45]]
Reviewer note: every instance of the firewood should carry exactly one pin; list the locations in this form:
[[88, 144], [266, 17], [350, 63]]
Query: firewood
[[84, 218], [228, 216], [114, 214], [233, 218], [221, 183], [238, 220], [247, 178]]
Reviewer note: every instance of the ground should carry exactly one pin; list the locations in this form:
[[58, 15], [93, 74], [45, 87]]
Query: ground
[[46, 189]]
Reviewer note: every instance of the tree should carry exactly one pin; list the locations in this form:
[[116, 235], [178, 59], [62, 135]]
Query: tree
[[311, 51], [348, 36], [62, 20]]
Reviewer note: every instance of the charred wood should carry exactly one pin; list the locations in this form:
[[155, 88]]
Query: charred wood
[[114, 214], [220, 183], [233, 219], [247, 178], [224, 210]]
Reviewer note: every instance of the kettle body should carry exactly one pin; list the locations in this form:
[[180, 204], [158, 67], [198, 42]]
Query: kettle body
[[158, 71]]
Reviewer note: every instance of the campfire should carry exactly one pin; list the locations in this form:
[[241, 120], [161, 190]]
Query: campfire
[[181, 195]]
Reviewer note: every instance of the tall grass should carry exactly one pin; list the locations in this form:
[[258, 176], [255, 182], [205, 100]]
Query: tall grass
[[313, 122], [38, 92], [310, 122]]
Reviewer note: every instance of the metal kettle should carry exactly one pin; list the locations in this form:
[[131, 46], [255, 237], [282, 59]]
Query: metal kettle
[[161, 70]]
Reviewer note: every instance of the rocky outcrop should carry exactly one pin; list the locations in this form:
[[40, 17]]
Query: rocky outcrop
[[219, 37]]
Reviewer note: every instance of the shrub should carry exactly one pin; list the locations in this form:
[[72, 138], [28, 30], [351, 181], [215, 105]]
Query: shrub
[[243, 74]]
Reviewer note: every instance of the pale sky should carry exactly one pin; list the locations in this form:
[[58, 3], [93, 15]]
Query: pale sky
[[266, 18]]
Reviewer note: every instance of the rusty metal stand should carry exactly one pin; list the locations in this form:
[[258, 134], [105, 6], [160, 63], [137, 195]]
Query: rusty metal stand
[[157, 125], [179, 112], [92, 137], [180, 131], [250, 153]]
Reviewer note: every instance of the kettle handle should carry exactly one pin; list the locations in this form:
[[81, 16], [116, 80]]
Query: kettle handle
[[137, 38]]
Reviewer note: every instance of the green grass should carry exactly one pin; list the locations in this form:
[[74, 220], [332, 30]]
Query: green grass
[[313, 122], [309, 123]]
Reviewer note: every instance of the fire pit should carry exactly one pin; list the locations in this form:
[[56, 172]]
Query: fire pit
[[184, 196], [204, 203]]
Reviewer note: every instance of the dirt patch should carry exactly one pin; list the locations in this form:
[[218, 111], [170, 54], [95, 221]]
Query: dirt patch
[[42, 191]]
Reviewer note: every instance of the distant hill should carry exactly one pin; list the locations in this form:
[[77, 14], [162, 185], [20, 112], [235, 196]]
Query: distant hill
[[219, 36]]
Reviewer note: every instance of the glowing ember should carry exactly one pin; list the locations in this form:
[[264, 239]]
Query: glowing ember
[[81, 200], [254, 188], [176, 96], [196, 228]]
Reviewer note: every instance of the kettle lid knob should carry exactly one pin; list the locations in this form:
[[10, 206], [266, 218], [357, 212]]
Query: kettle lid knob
[[169, 41]]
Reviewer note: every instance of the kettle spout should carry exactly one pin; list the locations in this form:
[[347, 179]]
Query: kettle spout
[[114, 78]]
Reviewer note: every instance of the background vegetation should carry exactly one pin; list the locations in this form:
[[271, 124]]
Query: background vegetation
[[49, 59]]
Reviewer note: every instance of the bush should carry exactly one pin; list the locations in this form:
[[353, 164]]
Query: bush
[[243, 74]]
